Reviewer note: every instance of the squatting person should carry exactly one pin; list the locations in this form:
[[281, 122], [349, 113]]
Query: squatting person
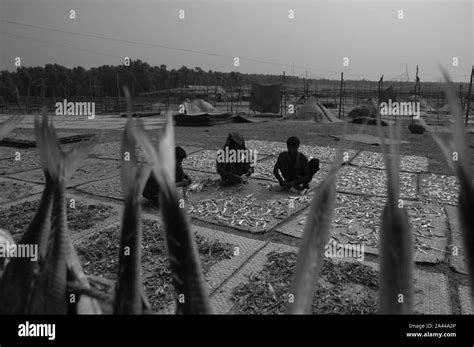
[[293, 165], [233, 171], [152, 190]]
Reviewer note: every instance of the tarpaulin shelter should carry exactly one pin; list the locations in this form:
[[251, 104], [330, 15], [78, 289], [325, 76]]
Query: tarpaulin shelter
[[200, 113], [198, 106], [265, 98], [311, 109], [388, 94]]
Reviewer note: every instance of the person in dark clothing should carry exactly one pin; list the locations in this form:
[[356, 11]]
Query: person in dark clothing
[[152, 190], [294, 167], [233, 171]]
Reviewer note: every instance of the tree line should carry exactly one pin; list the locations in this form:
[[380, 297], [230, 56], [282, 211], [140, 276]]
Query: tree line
[[57, 81]]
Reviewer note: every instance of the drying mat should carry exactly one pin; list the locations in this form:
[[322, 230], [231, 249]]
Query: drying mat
[[221, 298], [357, 220], [20, 140], [266, 147], [206, 160], [465, 300], [359, 180], [323, 153], [439, 189], [112, 187], [431, 293], [109, 150], [369, 139], [431, 289], [11, 190], [409, 163], [456, 261], [29, 159], [222, 272], [7, 152], [90, 170], [249, 207], [88, 214], [98, 253]]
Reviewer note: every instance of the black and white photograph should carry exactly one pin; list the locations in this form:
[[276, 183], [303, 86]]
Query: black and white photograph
[[237, 158]]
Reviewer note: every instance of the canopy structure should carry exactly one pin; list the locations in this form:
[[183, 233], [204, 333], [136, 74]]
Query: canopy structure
[[197, 107], [312, 109], [200, 113]]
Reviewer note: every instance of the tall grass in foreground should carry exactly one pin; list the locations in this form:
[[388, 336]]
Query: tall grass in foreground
[[396, 293]]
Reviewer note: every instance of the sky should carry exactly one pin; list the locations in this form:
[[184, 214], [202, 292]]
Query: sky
[[321, 34]]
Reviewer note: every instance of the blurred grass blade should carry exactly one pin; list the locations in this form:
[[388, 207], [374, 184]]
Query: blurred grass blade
[[458, 148], [50, 292], [128, 299], [315, 237], [396, 293], [191, 294]]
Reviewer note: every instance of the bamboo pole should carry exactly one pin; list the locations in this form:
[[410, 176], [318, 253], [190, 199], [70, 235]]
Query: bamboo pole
[[340, 94], [284, 93], [468, 103], [118, 92]]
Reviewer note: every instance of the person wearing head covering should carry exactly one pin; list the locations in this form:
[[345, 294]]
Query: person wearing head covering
[[233, 171], [152, 190], [292, 168]]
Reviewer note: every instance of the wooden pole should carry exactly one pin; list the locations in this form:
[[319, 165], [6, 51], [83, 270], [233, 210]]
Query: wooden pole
[[307, 84], [340, 94], [344, 98], [284, 93], [118, 92], [468, 103], [231, 96], [380, 89]]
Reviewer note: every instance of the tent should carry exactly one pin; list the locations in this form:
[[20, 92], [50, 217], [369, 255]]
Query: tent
[[200, 113], [198, 106], [265, 98], [311, 109]]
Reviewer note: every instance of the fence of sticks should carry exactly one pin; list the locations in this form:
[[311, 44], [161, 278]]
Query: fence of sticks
[[46, 286]]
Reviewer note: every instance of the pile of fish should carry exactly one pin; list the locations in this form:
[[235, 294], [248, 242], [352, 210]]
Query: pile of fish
[[202, 161], [410, 163], [246, 211], [440, 189], [373, 182], [266, 147]]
